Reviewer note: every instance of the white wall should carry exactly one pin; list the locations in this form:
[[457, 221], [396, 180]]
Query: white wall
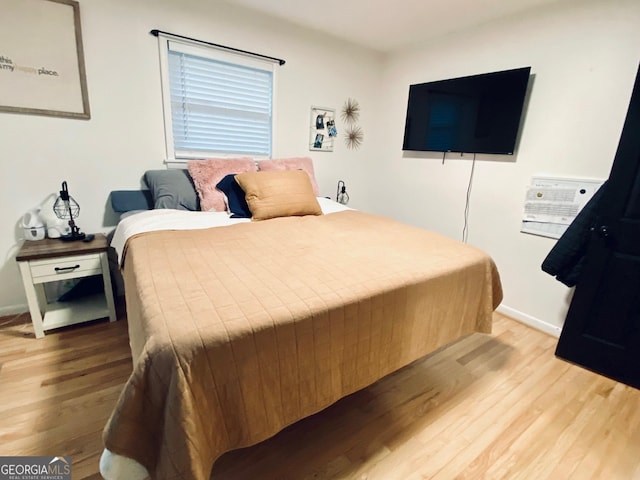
[[125, 134], [584, 56]]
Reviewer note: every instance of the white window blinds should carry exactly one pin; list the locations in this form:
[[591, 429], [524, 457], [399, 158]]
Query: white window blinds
[[219, 102]]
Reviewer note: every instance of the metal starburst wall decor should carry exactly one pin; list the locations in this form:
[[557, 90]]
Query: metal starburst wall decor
[[353, 137], [350, 111], [350, 115]]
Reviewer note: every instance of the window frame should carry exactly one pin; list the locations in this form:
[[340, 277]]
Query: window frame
[[218, 53]]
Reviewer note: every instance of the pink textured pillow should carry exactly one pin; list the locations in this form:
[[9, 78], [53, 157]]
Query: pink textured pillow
[[207, 173], [295, 163]]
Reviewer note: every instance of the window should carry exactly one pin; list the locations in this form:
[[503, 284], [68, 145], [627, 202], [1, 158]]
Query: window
[[216, 102]]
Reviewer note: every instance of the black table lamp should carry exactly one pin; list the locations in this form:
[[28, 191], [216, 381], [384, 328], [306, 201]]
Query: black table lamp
[[341, 194], [67, 208]]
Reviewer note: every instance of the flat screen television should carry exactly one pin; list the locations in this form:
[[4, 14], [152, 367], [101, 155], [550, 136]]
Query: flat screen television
[[474, 114]]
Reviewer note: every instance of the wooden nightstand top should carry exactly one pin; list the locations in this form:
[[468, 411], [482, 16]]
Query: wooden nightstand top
[[54, 247]]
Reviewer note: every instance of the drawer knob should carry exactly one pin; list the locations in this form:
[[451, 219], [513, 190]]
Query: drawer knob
[[66, 269]]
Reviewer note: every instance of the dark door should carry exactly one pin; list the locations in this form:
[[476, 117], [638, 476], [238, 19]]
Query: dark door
[[602, 328]]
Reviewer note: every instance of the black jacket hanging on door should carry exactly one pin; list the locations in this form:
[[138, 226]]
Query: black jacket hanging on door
[[566, 258]]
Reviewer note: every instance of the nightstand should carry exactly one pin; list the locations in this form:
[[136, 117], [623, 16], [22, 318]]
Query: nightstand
[[51, 260]]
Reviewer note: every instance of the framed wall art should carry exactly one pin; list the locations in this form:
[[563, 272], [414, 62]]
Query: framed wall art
[[42, 70], [322, 129]]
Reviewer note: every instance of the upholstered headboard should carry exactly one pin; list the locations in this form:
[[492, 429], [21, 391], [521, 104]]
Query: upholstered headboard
[[127, 200]]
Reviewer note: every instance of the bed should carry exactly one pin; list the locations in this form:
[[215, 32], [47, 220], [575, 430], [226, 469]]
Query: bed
[[240, 327]]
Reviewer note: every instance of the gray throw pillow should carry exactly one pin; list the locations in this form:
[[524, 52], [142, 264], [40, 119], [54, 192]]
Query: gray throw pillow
[[172, 189]]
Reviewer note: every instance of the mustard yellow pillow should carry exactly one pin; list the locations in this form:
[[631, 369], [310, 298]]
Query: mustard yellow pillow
[[278, 193]]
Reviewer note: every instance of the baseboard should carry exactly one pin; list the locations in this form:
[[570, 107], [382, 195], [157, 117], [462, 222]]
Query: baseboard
[[13, 310], [529, 320]]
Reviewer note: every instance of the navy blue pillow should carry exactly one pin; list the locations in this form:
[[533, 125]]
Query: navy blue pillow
[[235, 197]]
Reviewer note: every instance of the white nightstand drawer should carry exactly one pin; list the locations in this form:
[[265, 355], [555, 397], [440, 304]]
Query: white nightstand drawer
[[77, 266]]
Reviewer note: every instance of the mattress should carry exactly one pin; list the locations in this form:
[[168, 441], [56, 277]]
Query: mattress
[[238, 331]]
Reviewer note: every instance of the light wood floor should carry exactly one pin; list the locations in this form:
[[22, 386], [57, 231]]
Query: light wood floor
[[497, 406]]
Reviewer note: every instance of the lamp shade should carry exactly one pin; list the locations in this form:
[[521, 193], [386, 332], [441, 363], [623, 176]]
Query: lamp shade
[[341, 194], [65, 207]]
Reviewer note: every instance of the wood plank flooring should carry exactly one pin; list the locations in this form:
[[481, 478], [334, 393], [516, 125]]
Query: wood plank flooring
[[497, 406]]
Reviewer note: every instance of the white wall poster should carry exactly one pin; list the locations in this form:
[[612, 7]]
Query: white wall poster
[[42, 68]]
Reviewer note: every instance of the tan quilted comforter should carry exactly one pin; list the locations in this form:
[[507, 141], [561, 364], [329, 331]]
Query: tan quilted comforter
[[239, 331]]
